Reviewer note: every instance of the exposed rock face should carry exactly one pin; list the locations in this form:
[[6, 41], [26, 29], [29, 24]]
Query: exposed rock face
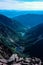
[[15, 60]]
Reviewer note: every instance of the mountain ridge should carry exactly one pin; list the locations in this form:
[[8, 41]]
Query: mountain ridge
[[30, 19], [13, 24]]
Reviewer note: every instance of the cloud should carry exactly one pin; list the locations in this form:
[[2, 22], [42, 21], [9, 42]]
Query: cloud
[[21, 0], [2, 0], [29, 0], [16, 5]]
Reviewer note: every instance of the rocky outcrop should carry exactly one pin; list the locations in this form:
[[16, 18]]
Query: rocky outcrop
[[16, 60]]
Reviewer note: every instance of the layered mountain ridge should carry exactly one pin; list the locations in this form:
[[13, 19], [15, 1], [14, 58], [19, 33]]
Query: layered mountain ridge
[[30, 20], [13, 24], [11, 38]]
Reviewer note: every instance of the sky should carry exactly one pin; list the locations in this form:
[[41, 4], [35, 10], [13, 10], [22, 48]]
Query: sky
[[21, 5]]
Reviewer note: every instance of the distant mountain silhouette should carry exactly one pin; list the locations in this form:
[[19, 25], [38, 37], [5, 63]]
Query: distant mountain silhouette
[[34, 41], [13, 13], [30, 19]]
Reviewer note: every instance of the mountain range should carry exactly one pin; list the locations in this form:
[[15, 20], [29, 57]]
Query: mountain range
[[30, 44], [34, 41], [30, 20], [14, 13], [15, 25]]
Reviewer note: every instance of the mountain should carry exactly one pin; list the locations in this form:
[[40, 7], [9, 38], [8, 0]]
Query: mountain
[[10, 36], [34, 41], [13, 13], [19, 26], [13, 24], [11, 41], [30, 20]]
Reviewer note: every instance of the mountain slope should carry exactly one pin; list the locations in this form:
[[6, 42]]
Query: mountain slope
[[13, 24], [9, 36], [10, 39], [34, 41], [30, 19]]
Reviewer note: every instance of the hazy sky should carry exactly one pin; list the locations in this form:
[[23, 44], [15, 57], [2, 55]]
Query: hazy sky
[[30, 0], [21, 5]]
